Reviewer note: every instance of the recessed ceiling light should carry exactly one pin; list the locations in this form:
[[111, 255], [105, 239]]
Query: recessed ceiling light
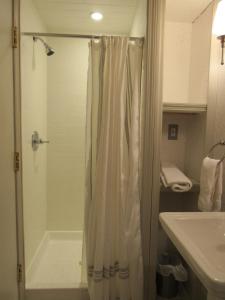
[[96, 16]]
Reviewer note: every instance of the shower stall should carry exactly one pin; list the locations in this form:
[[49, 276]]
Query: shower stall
[[54, 73], [53, 123]]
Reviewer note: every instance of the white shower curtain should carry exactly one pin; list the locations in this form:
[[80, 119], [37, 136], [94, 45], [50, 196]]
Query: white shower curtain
[[112, 213]]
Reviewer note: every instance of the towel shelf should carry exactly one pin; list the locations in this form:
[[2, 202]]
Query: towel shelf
[[185, 108], [195, 188]]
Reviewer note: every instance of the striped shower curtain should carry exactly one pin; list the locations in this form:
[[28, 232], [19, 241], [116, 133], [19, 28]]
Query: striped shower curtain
[[112, 212]]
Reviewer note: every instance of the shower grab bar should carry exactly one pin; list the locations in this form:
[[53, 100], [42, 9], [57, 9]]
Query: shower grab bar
[[220, 143]]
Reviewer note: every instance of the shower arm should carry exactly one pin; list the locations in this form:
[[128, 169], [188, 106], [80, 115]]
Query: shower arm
[[35, 38], [49, 50]]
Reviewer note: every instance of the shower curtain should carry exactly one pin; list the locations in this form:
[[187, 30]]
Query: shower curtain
[[112, 213]]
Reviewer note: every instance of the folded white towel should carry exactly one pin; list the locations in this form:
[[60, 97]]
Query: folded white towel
[[210, 185], [172, 177]]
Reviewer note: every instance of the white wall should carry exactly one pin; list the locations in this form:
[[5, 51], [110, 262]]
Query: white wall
[[173, 151], [200, 57], [216, 105], [140, 20], [186, 60], [188, 150], [177, 54], [186, 72], [34, 117], [195, 151], [67, 84], [8, 247]]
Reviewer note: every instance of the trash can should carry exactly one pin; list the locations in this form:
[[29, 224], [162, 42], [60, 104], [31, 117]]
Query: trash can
[[170, 272]]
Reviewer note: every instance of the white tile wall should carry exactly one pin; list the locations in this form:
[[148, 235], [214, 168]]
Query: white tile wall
[[67, 85]]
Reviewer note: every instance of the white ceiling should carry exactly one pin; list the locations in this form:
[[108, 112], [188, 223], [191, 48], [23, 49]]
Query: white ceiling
[[72, 16], [184, 10]]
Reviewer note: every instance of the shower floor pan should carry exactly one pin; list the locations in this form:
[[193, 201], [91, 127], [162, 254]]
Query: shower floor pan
[[55, 271]]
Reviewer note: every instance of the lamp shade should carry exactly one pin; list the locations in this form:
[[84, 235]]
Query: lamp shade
[[219, 20]]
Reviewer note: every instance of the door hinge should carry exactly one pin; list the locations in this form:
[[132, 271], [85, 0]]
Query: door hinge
[[16, 161], [15, 37], [19, 273]]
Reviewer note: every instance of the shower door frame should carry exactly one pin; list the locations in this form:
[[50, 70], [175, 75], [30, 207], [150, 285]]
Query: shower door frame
[[18, 147], [152, 142], [151, 145]]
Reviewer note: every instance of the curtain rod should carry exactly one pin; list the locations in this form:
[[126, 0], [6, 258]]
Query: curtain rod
[[68, 35]]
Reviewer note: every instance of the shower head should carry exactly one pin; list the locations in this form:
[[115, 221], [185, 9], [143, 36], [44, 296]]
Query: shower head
[[49, 51]]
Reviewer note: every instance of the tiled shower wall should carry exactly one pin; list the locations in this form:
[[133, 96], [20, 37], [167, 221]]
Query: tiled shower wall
[[67, 86]]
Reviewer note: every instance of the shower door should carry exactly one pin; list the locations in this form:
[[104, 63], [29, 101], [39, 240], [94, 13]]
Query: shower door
[[53, 138]]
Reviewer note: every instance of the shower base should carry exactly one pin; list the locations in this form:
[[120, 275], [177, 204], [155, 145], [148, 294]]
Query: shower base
[[55, 271]]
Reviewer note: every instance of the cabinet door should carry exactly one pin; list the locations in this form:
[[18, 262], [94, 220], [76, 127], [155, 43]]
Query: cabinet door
[[8, 247]]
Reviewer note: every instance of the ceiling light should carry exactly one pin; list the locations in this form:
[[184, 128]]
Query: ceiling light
[[219, 25], [96, 16]]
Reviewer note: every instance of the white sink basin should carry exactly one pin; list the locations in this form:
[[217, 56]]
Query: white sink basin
[[200, 239]]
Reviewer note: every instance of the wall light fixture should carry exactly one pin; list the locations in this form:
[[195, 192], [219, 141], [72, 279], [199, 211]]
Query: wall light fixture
[[219, 26]]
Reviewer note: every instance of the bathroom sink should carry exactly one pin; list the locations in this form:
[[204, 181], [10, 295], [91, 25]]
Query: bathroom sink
[[200, 239]]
